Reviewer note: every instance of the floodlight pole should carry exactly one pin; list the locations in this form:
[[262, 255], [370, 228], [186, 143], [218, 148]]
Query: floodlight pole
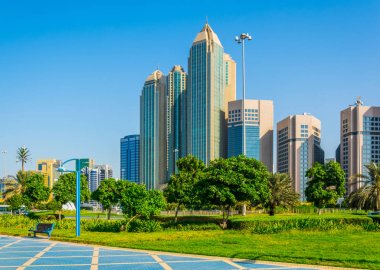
[[241, 39]]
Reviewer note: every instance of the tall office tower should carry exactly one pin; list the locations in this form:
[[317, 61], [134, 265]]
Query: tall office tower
[[48, 168], [93, 179], [130, 158], [205, 97], [298, 148], [176, 120], [97, 174], [86, 165], [258, 130], [153, 160], [359, 140], [229, 91]]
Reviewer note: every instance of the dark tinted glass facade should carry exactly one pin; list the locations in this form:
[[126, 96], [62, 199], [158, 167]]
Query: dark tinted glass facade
[[130, 158]]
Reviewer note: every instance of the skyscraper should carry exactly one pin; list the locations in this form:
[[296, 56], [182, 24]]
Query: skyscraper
[[229, 92], [298, 148], [153, 130], [258, 128], [176, 120], [359, 140], [130, 158], [97, 174], [48, 168], [205, 97]]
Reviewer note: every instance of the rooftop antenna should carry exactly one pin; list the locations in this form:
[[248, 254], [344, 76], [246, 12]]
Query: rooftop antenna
[[359, 101]]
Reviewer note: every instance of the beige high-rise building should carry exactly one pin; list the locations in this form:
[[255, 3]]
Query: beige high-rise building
[[229, 80], [258, 130], [298, 148], [229, 91], [359, 141], [48, 168]]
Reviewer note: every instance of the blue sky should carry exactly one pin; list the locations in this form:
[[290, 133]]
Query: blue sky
[[71, 72]]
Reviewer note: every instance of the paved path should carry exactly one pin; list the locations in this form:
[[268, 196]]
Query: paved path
[[28, 253]]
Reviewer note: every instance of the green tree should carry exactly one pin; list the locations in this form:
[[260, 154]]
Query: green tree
[[23, 155], [107, 194], [368, 196], [15, 202], [16, 185], [35, 191], [64, 190], [137, 202], [181, 189], [282, 192], [326, 184], [229, 181]]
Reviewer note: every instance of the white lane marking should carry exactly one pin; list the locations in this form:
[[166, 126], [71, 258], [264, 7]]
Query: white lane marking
[[32, 260], [161, 262], [95, 259], [10, 244]]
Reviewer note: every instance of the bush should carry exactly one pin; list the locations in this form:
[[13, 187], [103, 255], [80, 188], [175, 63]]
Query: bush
[[101, 225], [192, 226], [279, 224], [19, 222], [44, 216], [376, 219], [139, 225]]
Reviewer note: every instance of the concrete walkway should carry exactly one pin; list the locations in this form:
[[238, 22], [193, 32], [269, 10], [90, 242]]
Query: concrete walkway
[[28, 253]]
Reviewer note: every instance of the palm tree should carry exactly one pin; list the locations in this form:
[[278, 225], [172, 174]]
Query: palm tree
[[23, 156], [282, 192], [15, 185], [368, 196]]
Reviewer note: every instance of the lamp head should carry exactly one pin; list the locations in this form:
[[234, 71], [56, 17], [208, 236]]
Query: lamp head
[[61, 169], [236, 38]]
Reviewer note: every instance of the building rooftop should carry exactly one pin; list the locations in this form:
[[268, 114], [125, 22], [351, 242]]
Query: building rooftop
[[207, 34]]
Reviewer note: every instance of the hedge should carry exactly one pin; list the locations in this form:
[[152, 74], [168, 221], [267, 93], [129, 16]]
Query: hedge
[[279, 224]]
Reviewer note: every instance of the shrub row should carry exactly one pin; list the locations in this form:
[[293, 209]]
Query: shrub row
[[261, 226], [308, 223]]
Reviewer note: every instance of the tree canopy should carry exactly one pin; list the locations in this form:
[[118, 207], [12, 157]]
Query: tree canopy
[[64, 189], [108, 194], [181, 189], [229, 181], [326, 184], [368, 196], [282, 192], [138, 202], [35, 191]]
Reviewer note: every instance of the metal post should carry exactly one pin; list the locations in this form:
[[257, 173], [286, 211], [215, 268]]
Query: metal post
[[175, 158], [4, 152], [78, 172], [243, 63], [241, 39]]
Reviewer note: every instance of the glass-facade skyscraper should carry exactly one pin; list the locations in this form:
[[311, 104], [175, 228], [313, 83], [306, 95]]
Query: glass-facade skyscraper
[[176, 116], [130, 158], [153, 138], [258, 130], [205, 97]]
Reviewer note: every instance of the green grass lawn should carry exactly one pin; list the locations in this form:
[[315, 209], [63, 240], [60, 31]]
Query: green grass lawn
[[351, 247]]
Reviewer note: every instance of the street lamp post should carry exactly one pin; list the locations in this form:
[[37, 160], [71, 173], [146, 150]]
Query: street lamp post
[[77, 206], [240, 39], [4, 152], [175, 159]]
